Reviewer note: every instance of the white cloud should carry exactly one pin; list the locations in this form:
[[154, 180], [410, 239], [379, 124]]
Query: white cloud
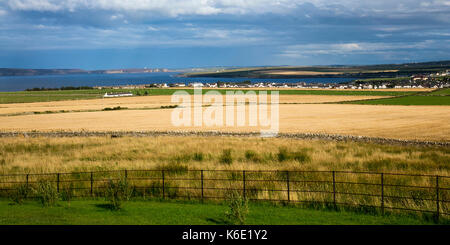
[[430, 33], [383, 35], [42, 37], [37, 5], [393, 28], [305, 50], [115, 17], [151, 28], [165, 7], [212, 7], [2, 12]]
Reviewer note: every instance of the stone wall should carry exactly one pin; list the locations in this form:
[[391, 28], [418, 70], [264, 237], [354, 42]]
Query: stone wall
[[112, 134]]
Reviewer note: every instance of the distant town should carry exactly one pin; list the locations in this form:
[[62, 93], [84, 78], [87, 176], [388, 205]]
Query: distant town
[[433, 80]]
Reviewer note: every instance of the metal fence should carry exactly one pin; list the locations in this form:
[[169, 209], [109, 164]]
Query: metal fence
[[379, 191]]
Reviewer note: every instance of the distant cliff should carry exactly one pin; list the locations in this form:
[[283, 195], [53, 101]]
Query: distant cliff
[[34, 72]]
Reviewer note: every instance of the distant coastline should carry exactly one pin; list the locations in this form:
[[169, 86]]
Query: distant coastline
[[37, 72]]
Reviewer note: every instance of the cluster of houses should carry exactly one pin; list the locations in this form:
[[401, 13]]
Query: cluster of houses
[[435, 80], [427, 77], [301, 85]]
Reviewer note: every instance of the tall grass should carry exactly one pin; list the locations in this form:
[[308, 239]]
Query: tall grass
[[226, 157], [177, 155], [44, 155], [46, 193], [238, 208], [117, 192], [20, 193]]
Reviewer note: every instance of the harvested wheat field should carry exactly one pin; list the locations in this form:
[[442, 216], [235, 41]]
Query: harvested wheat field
[[92, 104], [142, 102], [400, 122]]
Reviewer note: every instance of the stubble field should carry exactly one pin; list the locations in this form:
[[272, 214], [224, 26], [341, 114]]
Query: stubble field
[[142, 102], [399, 122]]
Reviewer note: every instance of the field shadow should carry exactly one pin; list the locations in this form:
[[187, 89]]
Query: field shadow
[[219, 221], [105, 206]]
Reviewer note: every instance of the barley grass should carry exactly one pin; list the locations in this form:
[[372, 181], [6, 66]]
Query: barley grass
[[178, 155], [45, 155]]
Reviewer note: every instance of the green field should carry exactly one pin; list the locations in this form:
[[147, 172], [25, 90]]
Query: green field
[[346, 92], [44, 96], [59, 95], [438, 97], [94, 212], [382, 79], [407, 100], [443, 92]]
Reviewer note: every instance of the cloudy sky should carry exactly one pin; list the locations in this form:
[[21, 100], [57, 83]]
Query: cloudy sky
[[102, 34]]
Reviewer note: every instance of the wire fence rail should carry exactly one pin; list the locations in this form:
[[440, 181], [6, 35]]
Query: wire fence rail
[[380, 191]]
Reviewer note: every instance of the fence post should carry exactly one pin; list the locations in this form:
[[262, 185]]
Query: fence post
[[243, 181], [126, 175], [334, 189], [437, 198], [163, 185], [92, 184], [201, 172], [57, 182], [288, 187], [26, 194], [382, 193]]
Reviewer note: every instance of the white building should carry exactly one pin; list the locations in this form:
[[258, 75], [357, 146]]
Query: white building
[[196, 85], [111, 95]]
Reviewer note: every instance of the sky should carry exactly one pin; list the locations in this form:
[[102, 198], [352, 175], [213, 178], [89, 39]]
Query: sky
[[108, 34]]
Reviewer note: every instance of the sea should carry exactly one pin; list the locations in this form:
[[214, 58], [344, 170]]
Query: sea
[[21, 83]]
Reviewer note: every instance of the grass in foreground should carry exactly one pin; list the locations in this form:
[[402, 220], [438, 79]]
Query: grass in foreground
[[180, 154], [93, 212]]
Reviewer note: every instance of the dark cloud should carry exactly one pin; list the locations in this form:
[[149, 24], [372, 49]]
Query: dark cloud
[[291, 32]]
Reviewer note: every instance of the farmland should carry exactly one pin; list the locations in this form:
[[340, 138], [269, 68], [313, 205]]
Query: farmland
[[412, 115], [407, 100], [62, 95], [301, 111], [399, 122], [146, 102], [438, 97]]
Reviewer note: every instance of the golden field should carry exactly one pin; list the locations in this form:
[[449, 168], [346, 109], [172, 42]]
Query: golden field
[[150, 102], [400, 122]]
